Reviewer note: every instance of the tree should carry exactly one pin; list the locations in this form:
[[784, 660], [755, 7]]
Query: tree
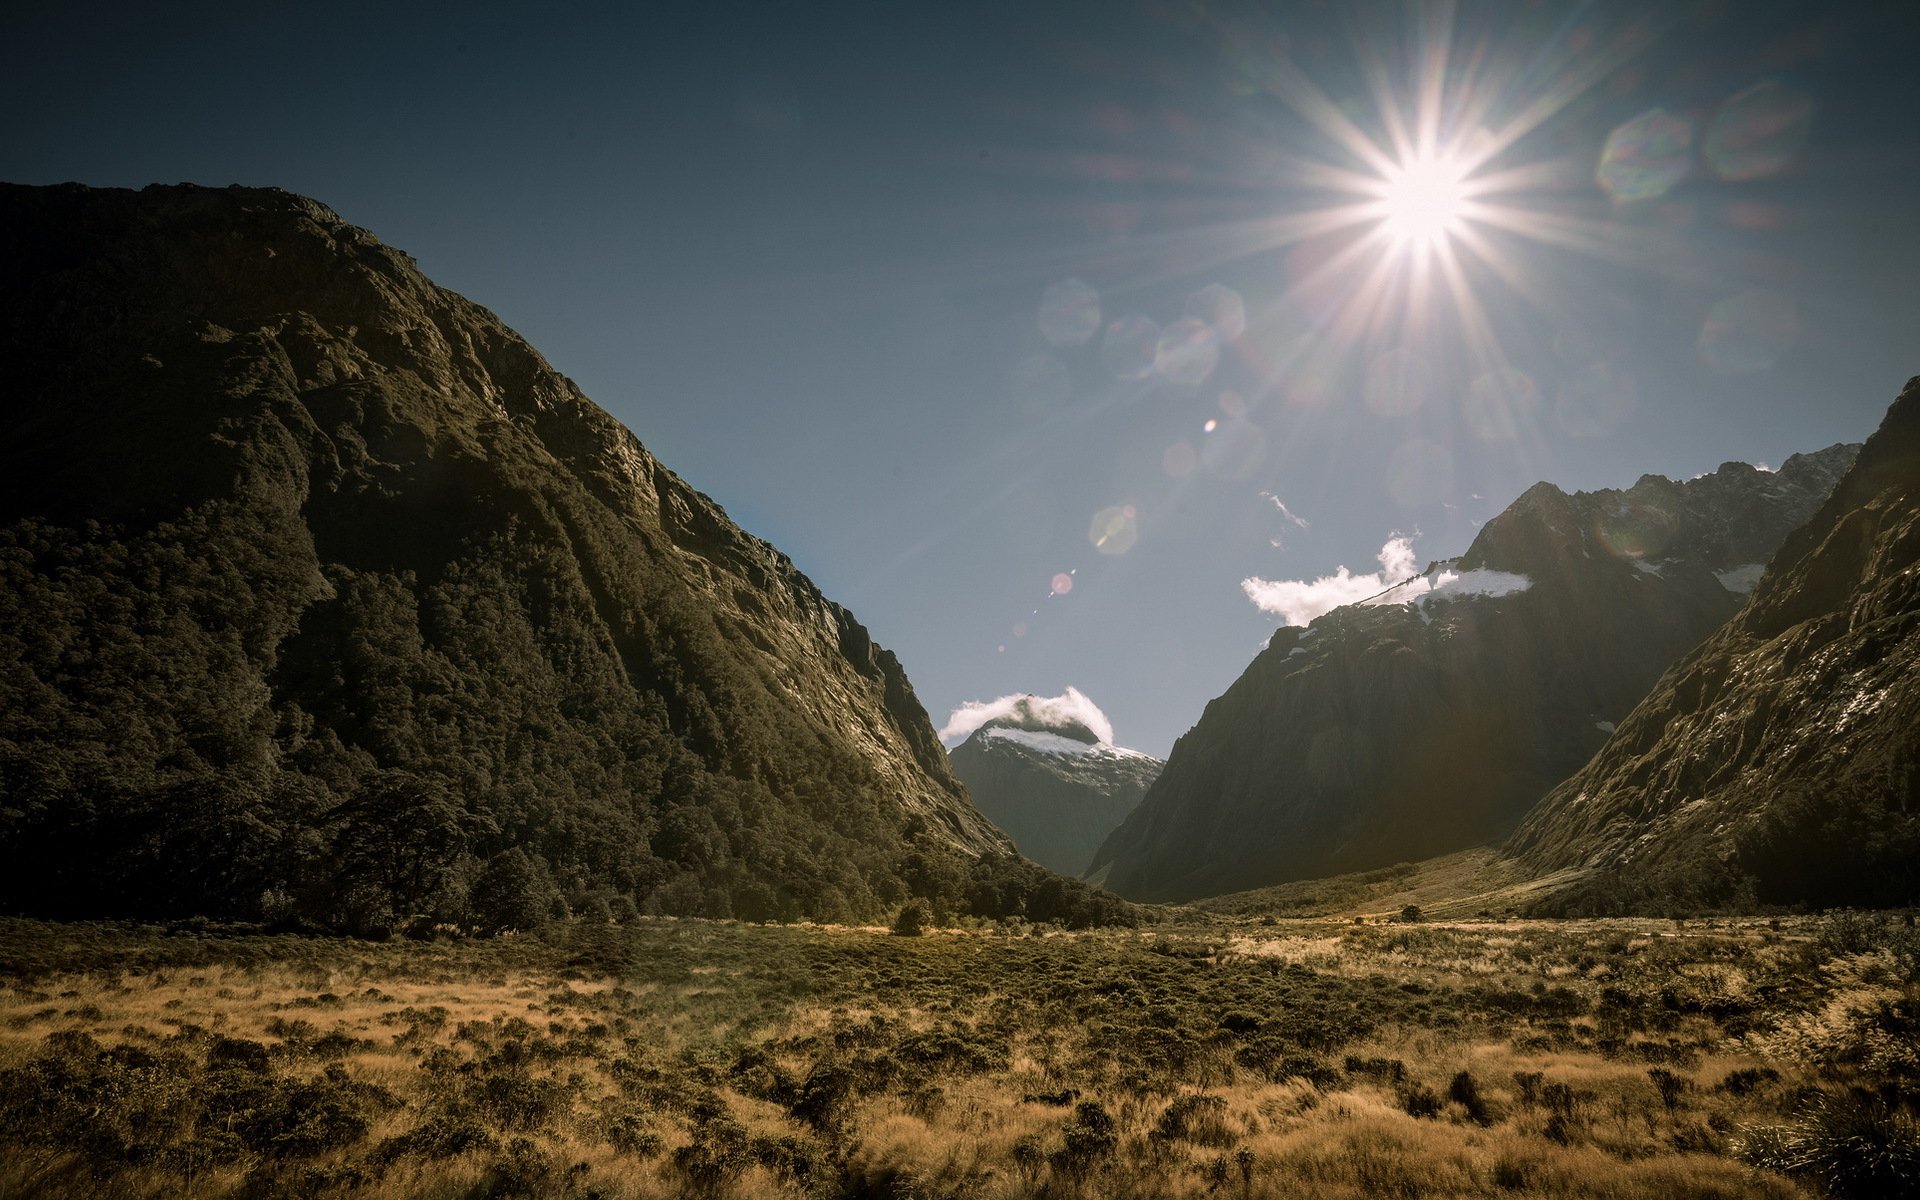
[[513, 891], [913, 918], [395, 843]]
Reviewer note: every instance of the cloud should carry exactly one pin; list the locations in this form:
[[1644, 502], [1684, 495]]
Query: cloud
[[1296, 521], [1299, 601], [1037, 713]]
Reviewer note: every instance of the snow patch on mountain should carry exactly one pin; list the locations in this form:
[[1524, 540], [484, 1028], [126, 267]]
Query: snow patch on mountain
[[1740, 580]]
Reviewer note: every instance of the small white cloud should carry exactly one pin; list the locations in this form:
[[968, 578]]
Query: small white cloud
[[1047, 712], [1293, 519], [1396, 559], [1298, 602]]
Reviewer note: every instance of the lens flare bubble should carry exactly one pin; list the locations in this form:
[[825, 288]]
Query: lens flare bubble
[[1500, 404], [1645, 157], [1758, 132], [1233, 404], [1235, 451], [1040, 384], [1061, 583], [1397, 383], [1222, 310], [1114, 530], [1019, 629], [1187, 352], [1131, 346], [1069, 313], [1594, 401], [1644, 528], [1179, 460], [1748, 332], [1420, 471]]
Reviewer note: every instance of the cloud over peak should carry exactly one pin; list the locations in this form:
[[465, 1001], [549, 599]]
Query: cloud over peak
[[1068, 714], [1299, 601]]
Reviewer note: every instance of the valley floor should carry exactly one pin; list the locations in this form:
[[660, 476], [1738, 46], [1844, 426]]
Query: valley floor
[[1252, 1058]]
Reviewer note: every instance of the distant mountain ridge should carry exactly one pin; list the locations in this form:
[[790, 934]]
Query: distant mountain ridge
[[1779, 762], [1052, 785], [324, 596], [1399, 731]]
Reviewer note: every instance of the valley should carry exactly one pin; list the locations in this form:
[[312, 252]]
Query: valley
[[1255, 1057]]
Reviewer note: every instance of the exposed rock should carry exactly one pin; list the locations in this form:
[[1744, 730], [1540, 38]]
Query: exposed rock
[[1780, 761], [1430, 721], [1056, 790], [279, 517]]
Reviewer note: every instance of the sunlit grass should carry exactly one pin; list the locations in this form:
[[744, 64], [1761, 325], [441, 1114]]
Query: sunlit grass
[[1599, 1058]]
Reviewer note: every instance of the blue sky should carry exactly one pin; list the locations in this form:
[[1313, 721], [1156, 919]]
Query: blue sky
[[805, 252]]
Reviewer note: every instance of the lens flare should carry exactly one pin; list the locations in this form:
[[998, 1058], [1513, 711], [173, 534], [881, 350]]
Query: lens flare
[[1114, 530], [1645, 157], [1748, 332], [1069, 313], [1187, 352], [1758, 132], [1131, 347]]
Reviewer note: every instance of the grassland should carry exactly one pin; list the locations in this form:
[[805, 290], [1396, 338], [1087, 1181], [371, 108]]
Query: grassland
[[1251, 1057]]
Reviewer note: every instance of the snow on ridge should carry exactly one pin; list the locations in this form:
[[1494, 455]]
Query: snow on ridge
[[1478, 583], [1740, 580], [1053, 743], [1046, 743]]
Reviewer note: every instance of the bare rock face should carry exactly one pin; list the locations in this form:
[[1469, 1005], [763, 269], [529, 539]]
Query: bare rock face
[[286, 527], [1057, 790], [1780, 761], [1430, 721]]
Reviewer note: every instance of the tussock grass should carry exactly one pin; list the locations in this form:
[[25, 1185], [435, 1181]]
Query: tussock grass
[[690, 1058]]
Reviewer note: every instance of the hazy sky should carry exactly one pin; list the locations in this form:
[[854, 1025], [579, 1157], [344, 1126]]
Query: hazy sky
[[907, 287]]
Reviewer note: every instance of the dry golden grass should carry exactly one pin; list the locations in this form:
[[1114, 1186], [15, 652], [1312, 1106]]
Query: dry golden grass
[[671, 1059]]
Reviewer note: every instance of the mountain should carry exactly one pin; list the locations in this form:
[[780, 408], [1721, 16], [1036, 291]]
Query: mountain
[[1431, 718], [326, 599], [1780, 761], [1056, 789]]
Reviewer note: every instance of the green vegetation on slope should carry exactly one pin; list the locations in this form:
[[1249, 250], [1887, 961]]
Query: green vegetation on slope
[[324, 601]]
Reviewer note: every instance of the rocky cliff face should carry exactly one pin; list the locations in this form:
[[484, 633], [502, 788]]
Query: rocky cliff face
[[1431, 720], [1780, 761], [1057, 792], [286, 529]]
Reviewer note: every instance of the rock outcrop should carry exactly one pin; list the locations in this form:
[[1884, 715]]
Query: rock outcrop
[[1779, 762], [322, 590], [1430, 720]]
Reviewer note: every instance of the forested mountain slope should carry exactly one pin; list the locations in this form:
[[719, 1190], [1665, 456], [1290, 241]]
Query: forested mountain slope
[[323, 596]]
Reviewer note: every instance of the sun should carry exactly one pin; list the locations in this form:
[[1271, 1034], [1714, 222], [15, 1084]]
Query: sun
[[1423, 201]]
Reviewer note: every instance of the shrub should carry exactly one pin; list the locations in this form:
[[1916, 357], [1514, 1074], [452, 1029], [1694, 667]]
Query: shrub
[[1669, 1085], [1199, 1118], [1854, 1146], [1419, 1100], [913, 919], [1747, 1079], [1465, 1092], [443, 1135], [1089, 1138]]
